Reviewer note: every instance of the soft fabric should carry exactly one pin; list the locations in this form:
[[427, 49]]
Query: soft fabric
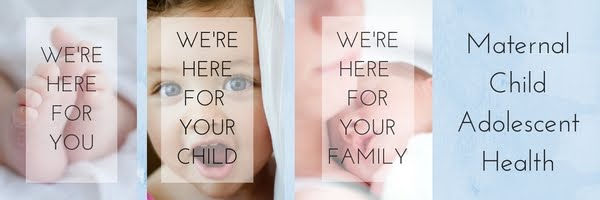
[[270, 34], [413, 179], [12, 64]]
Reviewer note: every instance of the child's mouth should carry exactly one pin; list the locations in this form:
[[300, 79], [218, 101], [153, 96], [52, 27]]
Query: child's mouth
[[214, 160]]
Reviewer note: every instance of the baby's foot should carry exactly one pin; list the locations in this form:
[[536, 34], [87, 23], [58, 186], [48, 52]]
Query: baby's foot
[[38, 131], [93, 131], [100, 122], [7, 105]]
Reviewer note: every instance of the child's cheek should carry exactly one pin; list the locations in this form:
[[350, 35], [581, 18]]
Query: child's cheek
[[154, 127]]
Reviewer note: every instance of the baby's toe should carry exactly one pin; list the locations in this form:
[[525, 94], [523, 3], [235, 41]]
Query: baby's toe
[[98, 90], [44, 74], [71, 69], [23, 115], [29, 98]]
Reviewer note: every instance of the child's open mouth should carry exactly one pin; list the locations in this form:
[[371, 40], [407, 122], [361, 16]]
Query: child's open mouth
[[214, 160]]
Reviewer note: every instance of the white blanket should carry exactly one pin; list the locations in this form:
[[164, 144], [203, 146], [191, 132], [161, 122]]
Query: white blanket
[[12, 62], [413, 180], [14, 187]]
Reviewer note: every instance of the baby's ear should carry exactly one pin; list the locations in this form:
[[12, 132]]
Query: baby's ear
[[429, 81], [429, 84]]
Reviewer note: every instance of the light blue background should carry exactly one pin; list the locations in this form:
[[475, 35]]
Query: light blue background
[[142, 108], [461, 83]]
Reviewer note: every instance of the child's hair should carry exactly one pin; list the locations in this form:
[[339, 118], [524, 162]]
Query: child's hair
[[160, 7]]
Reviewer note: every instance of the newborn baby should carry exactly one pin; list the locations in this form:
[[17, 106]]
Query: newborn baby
[[399, 107], [34, 111]]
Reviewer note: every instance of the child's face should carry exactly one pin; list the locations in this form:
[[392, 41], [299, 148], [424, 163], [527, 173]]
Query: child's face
[[310, 67], [403, 129], [166, 97], [309, 71]]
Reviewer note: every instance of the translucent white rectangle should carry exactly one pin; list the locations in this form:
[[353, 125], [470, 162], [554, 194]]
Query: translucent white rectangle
[[71, 69], [207, 99], [369, 94]]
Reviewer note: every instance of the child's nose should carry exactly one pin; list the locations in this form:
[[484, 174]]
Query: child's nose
[[358, 140], [354, 133], [334, 8], [207, 121], [339, 8], [205, 112]]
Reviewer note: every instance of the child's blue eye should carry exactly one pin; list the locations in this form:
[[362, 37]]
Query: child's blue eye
[[237, 84], [169, 89]]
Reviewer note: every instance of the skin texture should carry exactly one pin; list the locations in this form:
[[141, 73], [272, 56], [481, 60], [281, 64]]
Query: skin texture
[[29, 103], [308, 74], [263, 165], [6, 90], [399, 107]]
